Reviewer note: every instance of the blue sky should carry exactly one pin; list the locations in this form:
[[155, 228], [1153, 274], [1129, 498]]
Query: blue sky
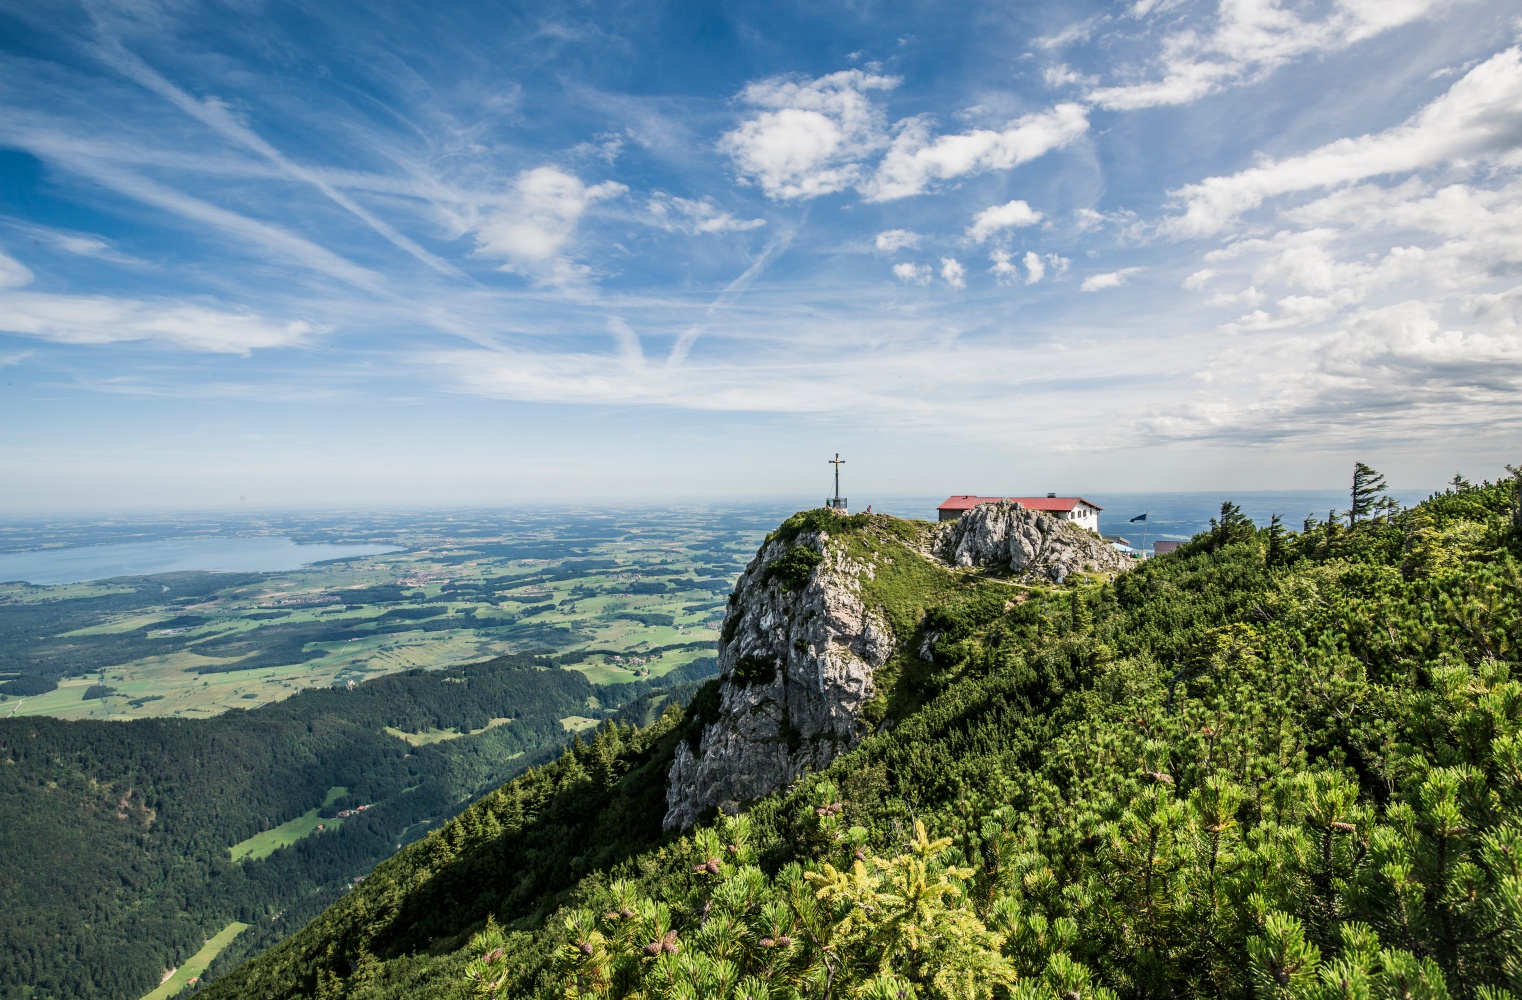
[[280, 254]]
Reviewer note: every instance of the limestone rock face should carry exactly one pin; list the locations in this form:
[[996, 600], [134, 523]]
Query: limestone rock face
[[800, 647], [796, 666], [1031, 543]]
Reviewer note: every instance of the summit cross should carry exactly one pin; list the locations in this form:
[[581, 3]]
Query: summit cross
[[836, 502]]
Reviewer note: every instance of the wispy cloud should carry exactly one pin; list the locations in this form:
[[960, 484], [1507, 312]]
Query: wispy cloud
[[530, 233], [99, 319], [1247, 42], [215, 114], [683, 215], [1109, 279], [1479, 118], [892, 240], [916, 160]]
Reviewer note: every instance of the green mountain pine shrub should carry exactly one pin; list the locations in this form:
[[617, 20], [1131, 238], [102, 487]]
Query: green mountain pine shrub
[[1221, 775]]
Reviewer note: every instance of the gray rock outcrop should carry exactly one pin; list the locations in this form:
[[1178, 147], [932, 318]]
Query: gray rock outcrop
[[800, 648], [1029, 543], [797, 666]]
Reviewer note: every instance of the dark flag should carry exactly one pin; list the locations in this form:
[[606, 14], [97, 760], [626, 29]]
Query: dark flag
[[1139, 517]]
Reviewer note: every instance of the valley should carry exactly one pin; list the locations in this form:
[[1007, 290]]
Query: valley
[[201, 761]]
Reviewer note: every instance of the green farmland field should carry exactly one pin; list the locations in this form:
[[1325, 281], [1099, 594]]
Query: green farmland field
[[637, 595]]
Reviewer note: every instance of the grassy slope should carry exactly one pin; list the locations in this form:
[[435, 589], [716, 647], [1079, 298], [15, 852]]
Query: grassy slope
[[262, 845], [197, 963], [1319, 694]]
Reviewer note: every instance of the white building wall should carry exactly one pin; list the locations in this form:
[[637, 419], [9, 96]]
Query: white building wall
[[1085, 517]]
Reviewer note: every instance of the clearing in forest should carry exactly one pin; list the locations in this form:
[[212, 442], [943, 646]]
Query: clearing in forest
[[428, 736], [262, 845], [196, 965]]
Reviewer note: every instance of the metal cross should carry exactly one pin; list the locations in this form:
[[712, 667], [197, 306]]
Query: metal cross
[[837, 461]]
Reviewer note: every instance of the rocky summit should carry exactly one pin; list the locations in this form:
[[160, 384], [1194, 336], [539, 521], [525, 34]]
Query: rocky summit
[[809, 631]]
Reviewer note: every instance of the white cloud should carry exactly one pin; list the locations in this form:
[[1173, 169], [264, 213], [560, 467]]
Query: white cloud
[[812, 135], [891, 240], [1479, 119], [1396, 372], [1035, 267], [530, 234], [1197, 281], [1111, 279], [1062, 75], [1005, 269], [953, 273], [1089, 219], [682, 215], [1250, 40], [1006, 216], [99, 319], [79, 244], [914, 274], [915, 160], [13, 273], [1078, 31], [1249, 296]]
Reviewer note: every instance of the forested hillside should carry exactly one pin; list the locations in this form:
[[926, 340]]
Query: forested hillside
[[117, 860], [1270, 764]]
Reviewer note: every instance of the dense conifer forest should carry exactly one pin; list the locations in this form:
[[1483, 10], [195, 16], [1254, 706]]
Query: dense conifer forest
[[117, 834], [1271, 764]]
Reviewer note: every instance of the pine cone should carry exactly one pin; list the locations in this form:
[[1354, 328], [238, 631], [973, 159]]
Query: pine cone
[[586, 948]]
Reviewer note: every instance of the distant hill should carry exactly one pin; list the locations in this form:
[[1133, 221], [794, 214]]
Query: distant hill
[[117, 860], [1270, 764]]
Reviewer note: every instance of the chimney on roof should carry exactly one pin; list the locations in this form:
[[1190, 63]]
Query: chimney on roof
[[1051, 496]]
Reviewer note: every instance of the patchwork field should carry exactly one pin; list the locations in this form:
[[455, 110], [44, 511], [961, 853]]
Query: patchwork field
[[619, 597]]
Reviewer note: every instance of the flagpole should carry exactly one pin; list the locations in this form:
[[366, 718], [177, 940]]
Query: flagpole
[[1145, 521]]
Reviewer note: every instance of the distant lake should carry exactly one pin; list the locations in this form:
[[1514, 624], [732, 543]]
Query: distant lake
[[80, 564]]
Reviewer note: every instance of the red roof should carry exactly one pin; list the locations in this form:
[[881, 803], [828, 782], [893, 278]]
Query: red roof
[[967, 502]]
